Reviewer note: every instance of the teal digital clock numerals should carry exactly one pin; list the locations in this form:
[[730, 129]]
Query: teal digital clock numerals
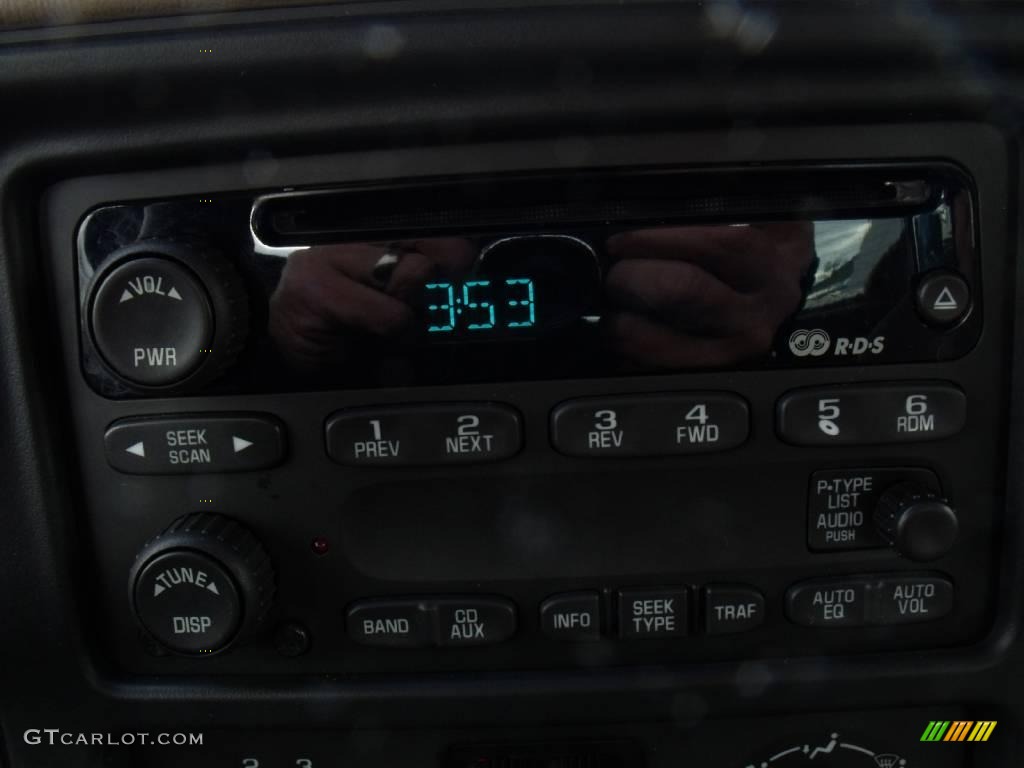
[[477, 306]]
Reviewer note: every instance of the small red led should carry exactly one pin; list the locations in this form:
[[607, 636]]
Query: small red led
[[320, 545]]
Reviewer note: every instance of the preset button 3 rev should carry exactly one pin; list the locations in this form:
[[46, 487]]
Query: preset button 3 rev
[[650, 425]]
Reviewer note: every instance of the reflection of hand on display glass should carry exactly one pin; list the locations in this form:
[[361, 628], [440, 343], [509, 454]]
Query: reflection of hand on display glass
[[328, 295], [689, 297]]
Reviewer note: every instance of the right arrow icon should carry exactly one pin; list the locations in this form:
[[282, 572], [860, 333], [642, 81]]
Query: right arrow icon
[[240, 444]]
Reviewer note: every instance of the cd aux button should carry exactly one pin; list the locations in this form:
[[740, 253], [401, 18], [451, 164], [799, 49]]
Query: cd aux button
[[650, 425], [456, 433], [871, 414], [475, 621]]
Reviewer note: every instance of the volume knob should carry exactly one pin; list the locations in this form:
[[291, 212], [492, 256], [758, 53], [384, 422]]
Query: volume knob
[[916, 522], [166, 315], [202, 584]]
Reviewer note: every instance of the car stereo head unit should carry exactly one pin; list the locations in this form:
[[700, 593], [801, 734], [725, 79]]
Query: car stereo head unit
[[523, 278], [525, 419]]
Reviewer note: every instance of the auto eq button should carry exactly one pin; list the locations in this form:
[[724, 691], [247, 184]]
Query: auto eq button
[[871, 414], [456, 433], [828, 603], [194, 444], [650, 425]]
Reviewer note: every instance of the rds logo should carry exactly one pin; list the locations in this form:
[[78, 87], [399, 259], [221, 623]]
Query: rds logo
[[815, 342]]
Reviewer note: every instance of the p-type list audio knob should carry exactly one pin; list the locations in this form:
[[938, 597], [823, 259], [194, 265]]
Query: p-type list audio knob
[[916, 522], [202, 584], [161, 315]]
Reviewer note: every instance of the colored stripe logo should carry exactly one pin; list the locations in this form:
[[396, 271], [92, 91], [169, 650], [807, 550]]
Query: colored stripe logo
[[958, 730]]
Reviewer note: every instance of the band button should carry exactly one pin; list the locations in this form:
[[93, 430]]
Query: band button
[[390, 623]]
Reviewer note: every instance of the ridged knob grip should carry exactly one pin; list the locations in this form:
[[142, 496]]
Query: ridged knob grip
[[918, 523], [203, 583]]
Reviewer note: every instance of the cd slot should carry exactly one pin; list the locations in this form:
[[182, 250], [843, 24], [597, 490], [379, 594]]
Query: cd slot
[[532, 203]]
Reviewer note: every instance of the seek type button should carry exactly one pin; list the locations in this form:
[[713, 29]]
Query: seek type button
[[194, 444], [653, 613], [459, 433], [841, 505], [475, 621]]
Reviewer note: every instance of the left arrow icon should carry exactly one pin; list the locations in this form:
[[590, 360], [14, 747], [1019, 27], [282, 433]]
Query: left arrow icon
[[139, 449]]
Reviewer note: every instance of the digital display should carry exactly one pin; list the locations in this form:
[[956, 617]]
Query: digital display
[[480, 306]]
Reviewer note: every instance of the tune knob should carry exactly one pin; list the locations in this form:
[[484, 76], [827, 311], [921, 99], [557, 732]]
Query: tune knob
[[916, 522], [202, 584], [163, 315]]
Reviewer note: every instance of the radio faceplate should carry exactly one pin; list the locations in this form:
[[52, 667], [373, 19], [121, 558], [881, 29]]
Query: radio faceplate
[[647, 553], [640, 272]]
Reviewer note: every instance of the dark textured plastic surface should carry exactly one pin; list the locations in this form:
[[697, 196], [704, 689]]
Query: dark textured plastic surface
[[307, 84]]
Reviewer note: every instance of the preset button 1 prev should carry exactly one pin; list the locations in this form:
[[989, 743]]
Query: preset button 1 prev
[[192, 444], [454, 433]]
